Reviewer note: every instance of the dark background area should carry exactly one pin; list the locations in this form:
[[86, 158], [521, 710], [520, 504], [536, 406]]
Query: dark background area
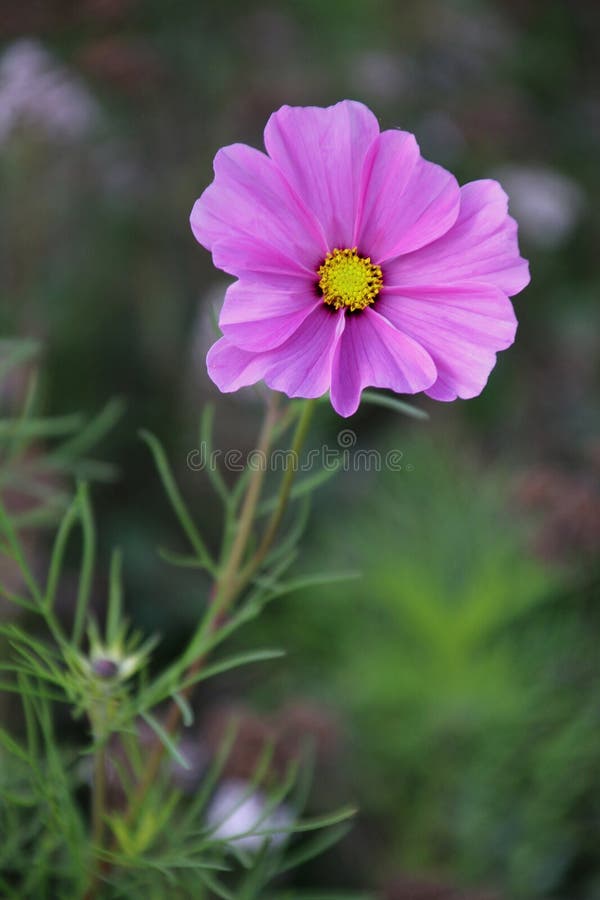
[[454, 687]]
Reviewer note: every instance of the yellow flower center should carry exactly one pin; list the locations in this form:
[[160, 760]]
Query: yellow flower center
[[348, 280]]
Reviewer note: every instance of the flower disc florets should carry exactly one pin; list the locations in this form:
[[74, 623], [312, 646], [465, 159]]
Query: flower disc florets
[[348, 280]]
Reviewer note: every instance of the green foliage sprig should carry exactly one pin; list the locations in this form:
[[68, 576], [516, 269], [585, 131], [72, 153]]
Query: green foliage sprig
[[157, 840]]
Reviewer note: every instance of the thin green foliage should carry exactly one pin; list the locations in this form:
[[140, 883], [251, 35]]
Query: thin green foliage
[[100, 673], [179, 507]]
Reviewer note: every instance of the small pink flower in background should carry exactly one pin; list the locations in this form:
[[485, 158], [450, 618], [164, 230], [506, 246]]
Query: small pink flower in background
[[358, 262]]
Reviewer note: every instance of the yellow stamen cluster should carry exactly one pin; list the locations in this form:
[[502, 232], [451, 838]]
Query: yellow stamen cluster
[[349, 280]]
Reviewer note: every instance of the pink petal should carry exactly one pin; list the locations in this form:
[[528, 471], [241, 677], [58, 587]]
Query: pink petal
[[301, 367], [372, 352], [256, 317], [406, 202], [462, 326], [321, 153], [231, 368], [481, 246], [251, 218], [254, 260]]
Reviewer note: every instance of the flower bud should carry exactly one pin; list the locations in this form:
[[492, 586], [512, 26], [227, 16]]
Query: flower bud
[[105, 668]]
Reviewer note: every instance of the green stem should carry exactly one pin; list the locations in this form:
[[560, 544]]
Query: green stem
[[98, 813], [232, 581], [98, 796], [223, 594], [225, 587], [284, 494]]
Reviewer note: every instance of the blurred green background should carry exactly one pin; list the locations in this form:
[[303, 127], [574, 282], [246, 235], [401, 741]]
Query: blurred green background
[[455, 686]]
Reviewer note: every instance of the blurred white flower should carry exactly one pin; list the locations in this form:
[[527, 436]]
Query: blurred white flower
[[37, 90], [238, 816], [546, 203]]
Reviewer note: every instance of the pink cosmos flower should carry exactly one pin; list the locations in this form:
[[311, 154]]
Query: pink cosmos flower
[[359, 263]]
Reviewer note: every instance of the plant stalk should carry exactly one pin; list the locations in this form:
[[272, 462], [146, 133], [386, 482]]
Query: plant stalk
[[98, 796], [284, 494], [230, 582], [98, 813], [223, 594]]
